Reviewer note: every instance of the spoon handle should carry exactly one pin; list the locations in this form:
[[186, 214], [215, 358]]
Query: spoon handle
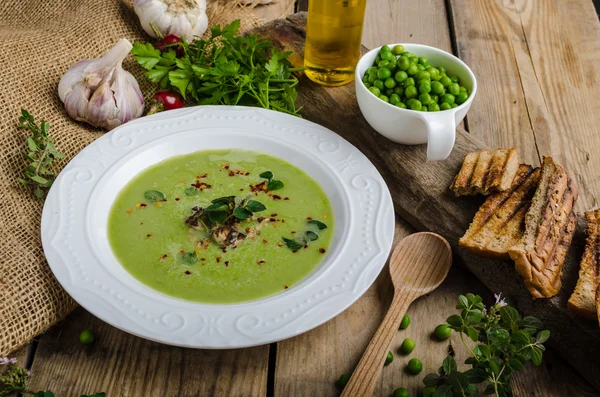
[[367, 373]]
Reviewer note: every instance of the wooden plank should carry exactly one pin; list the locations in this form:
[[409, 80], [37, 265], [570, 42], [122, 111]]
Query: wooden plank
[[121, 364], [536, 78]]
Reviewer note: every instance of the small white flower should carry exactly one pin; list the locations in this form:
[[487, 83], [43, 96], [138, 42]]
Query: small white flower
[[13, 361], [499, 300], [4, 360]]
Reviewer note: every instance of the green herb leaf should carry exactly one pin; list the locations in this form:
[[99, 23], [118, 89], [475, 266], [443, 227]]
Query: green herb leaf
[[267, 175], [317, 223], [146, 55], [189, 258], [217, 216], [521, 337], [191, 191], [476, 375], [449, 365], [241, 213], [455, 321], [292, 244], [530, 322], [536, 355], [542, 336], [432, 379], [255, 206], [473, 334], [463, 302], [154, 195], [275, 185], [218, 206], [516, 364], [47, 393], [510, 317], [225, 200], [311, 236], [459, 383], [443, 391]]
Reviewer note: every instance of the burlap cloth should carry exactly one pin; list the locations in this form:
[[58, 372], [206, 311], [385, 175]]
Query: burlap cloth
[[40, 39]]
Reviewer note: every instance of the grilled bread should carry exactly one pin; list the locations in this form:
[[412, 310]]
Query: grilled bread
[[583, 301], [500, 222], [486, 172], [549, 227]]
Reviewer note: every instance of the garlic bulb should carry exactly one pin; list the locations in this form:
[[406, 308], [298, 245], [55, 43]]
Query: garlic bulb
[[184, 18], [100, 92]]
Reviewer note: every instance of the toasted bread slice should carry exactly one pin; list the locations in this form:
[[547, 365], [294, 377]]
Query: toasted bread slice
[[583, 301], [500, 222], [486, 172], [549, 227]]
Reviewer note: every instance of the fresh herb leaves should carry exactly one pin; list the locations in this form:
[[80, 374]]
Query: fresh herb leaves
[[189, 258], [505, 342], [224, 211], [317, 223], [227, 69], [292, 244], [307, 237], [191, 191], [40, 155], [154, 195], [272, 184]]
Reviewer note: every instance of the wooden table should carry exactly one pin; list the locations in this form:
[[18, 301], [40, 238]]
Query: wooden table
[[536, 61]]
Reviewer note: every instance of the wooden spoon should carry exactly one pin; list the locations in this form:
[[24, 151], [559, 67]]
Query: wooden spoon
[[418, 265]]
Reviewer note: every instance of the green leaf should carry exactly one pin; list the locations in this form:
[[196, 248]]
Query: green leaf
[[154, 195], [311, 236], [516, 364], [476, 375], [217, 216], [241, 213], [521, 337], [39, 179], [292, 244], [432, 379], [255, 206], [191, 191], [455, 321], [536, 355], [463, 302], [225, 200], [146, 55], [317, 223], [218, 206], [473, 334], [181, 80], [489, 390], [530, 322], [510, 317], [157, 74], [443, 391], [459, 383], [274, 185], [542, 336], [189, 258], [32, 145], [267, 175], [449, 364]]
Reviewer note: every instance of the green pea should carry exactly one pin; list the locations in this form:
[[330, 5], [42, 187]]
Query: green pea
[[434, 73], [407, 54], [394, 99], [434, 98], [423, 60], [399, 90], [412, 69], [401, 105], [410, 92], [433, 107], [384, 98], [377, 59], [442, 70], [461, 98], [415, 366], [405, 322], [388, 92], [389, 82], [372, 78], [382, 64], [424, 109], [343, 380], [383, 73], [409, 81], [437, 87], [424, 88], [445, 81], [454, 79], [386, 55], [365, 79], [86, 337], [392, 65], [367, 85], [403, 63], [374, 90], [442, 332], [416, 105], [454, 89], [400, 76], [407, 346], [423, 75], [444, 106], [372, 70], [425, 99], [428, 391], [398, 49], [384, 48], [389, 358], [420, 67], [401, 392], [448, 98], [463, 89], [378, 84], [454, 105]]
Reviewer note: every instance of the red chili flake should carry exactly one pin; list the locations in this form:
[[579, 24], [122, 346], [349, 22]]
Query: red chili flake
[[148, 235], [242, 189], [247, 173], [163, 256], [293, 252], [273, 215], [201, 176], [260, 262], [265, 241], [308, 218], [293, 232], [188, 272], [285, 287], [272, 219], [226, 167], [283, 221], [287, 198], [143, 205], [202, 259], [224, 250], [322, 250], [218, 259], [276, 197], [231, 173], [177, 199], [305, 245], [181, 252], [129, 211], [141, 223], [226, 263]]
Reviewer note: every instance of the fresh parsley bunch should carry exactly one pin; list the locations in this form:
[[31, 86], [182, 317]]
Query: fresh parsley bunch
[[505, 341], [227, 69]]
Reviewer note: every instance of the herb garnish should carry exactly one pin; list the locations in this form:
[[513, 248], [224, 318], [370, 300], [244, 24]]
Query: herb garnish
[[317, 223], [191, 191], [189, 258], [272, 184], [309, 235], [227, 69], [154, 195], [505, 342], [40, 155]]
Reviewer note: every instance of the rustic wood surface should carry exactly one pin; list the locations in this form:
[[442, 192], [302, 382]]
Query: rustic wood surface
[[531, 59]]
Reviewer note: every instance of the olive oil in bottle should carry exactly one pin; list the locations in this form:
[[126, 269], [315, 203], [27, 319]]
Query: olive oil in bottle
[[333, 37]]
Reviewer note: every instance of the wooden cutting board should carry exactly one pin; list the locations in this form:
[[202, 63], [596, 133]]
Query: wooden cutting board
[[421, 196]]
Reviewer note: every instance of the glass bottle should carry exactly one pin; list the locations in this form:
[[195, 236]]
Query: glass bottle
[[333, 38]]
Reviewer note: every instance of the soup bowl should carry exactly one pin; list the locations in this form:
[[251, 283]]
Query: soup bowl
[[411, 127]]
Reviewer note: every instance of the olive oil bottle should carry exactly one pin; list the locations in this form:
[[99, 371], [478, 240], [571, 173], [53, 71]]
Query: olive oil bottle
[[333, 37]]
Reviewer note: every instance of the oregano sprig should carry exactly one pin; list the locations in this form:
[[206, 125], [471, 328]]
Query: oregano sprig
[[40, 155]]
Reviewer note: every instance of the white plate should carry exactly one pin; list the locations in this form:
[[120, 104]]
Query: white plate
[[74, 227]]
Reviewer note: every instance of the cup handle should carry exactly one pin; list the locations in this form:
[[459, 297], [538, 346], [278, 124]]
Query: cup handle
[[441, 133]]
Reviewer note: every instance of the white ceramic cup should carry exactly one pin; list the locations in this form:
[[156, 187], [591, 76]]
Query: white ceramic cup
[[410, 127]]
